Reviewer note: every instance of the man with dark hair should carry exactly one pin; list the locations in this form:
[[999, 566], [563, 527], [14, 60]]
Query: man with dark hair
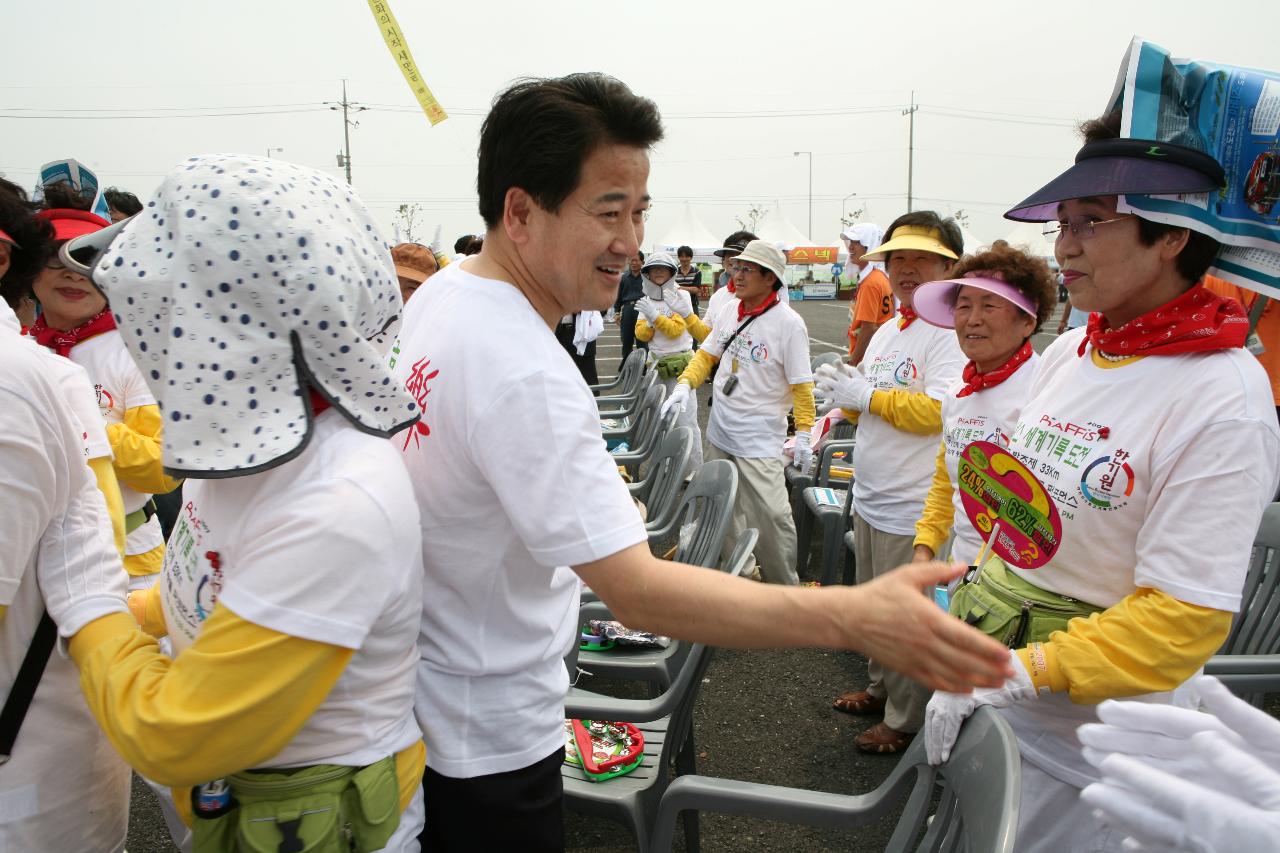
[[519, 498], [688, 277], [629, 292], [121, 203]]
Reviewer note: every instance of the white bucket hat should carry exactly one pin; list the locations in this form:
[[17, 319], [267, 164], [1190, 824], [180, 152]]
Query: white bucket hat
[[242, 284], [655, 259], [767, 256]]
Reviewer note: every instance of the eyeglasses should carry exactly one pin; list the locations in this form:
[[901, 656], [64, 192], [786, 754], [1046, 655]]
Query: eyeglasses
[[744, 269], [1079, 226]]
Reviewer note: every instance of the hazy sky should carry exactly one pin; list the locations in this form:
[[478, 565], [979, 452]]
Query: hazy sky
[[741, 87]]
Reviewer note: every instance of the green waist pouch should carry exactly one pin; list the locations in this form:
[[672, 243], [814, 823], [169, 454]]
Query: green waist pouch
[[671, 366], [324, 808], [1000, 604]]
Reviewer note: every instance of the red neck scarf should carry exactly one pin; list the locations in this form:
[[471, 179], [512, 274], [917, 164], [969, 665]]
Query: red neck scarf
[[975, 381], [1197, 321], [906, 316], [743, 313], [732, 287], [318, 403], [61, 342]]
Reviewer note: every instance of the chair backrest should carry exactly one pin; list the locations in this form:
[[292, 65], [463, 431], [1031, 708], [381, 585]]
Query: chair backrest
[[825, 358], [708, 505], [1256, 628], [660, 489], [628, 377], [736, 563], [624, 405], [977, 808]]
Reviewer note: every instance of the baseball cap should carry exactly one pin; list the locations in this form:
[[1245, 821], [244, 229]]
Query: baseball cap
[[414, 262], [1110, 167], [921, 238]]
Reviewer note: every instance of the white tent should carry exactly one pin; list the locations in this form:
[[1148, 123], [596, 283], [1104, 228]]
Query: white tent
[[972, 242], [776, 228], [689, 231], [1029, 236]]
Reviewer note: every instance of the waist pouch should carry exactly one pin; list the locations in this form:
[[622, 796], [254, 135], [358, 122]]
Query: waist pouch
[[1001, 604], [139, 517], [671, 366], [324, 808]]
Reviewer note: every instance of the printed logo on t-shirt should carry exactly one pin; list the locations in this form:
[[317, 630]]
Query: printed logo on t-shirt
[[747, 349], [419, 386], [968, 430], [191, 578], [1107, 482], [906, 372], [105, 401], [759, 353]]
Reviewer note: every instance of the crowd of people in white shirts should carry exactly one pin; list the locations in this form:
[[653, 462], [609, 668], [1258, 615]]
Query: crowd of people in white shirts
[[354, 635]]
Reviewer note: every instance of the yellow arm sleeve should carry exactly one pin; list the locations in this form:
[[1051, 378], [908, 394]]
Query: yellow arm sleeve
[[934, 525], [105, 474], [699, 369], [644, 332], [672, 327], [909, 411], [135, 441], [698, 329], [232, 700], [1148, 642], [802, 404]]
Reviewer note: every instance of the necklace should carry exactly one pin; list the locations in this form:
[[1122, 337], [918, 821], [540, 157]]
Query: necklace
[[1109, 357]]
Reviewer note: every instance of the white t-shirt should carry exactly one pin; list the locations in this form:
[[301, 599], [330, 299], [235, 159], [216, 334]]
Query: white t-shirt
[[120, 387], [771, 355], [64, 788], [986, 415], [324, 547], [661, 344], [716, 303], [515, 485], [1160, 470], [893, 467]]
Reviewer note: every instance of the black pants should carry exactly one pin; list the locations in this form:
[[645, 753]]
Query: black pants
[[587, 361], [627, 329], [517, 810]]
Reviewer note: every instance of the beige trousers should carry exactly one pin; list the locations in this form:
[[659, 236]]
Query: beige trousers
[[877, 553], [762, 503]]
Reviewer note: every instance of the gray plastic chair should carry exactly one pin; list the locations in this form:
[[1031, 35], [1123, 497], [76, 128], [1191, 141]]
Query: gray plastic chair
[[667, 725], [708, 502], [825, 358], [623, 408], [659, 491], [648, 437], [642, 419], [655, 666], [831, 520], [628, 378], [1249, 661], [977, 808]]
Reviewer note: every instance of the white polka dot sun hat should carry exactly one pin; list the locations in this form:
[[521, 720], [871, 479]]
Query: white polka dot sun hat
[[244, 282]]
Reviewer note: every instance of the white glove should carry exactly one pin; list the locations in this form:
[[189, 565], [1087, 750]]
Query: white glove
[[679, 397], [79, 569], [946, 712], [843, 386], [680, 302], [647, 310], [1167, 811], [803, 457]]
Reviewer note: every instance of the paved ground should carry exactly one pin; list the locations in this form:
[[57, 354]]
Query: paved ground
[[761, 715]]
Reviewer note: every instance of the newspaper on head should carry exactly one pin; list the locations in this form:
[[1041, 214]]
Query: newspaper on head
[[1231, 113], [80, 177]]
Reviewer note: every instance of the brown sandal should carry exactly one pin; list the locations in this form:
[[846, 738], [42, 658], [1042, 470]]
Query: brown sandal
[[882, 740], [858, 702]]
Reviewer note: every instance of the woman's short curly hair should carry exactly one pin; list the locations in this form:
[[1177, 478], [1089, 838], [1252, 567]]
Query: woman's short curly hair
[[1027, 273], [35, 243]]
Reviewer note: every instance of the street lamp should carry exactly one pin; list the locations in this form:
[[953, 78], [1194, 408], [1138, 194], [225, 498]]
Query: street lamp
[[842, 204], [277, 150], [810, 153]]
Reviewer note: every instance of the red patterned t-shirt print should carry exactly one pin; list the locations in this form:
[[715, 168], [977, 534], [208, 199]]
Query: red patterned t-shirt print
[[418, 386]]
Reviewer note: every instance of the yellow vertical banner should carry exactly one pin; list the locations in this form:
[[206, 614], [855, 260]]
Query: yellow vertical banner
[[399, 48]]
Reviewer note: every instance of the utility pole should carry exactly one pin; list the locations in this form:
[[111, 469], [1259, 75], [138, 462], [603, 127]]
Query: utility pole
[[911, 144], [810, 153], [347, 124]]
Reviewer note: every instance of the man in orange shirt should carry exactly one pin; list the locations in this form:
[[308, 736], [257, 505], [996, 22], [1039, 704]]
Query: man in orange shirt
[[873, 303], [1266, 332]]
